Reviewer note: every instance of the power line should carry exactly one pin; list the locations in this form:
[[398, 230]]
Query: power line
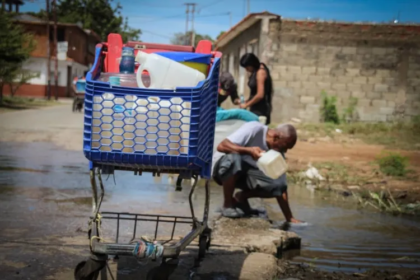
[[214, 15], [156, 34], [157, 19], [176, 16], [211, 4]]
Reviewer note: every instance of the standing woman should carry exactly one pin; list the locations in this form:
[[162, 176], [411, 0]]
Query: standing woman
[[260, 85]]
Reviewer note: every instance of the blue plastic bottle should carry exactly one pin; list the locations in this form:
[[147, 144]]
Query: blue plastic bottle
[[127, 61]]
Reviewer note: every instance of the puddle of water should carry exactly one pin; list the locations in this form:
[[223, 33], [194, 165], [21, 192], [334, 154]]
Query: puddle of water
[[341, 237], [11, 168], [338, 236]]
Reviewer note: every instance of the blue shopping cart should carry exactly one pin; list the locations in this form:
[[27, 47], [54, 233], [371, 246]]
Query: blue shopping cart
[[147, 130]]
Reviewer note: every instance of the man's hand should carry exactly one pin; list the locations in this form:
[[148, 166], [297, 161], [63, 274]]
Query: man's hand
[[242, 106], [255, 152]]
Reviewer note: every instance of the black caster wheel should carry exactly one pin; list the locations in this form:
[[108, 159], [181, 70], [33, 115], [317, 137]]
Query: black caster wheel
[[163, 271], [80, 273], [204, 243], [88, 270]]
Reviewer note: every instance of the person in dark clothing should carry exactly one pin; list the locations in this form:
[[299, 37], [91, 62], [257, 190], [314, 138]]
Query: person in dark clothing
[[227, 87], [260, 85]]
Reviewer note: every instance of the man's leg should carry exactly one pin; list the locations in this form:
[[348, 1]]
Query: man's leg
[[228, 190], [261, 186], [226, 172]]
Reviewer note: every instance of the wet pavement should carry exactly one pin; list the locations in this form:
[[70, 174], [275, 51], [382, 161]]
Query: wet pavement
[[45, 203]]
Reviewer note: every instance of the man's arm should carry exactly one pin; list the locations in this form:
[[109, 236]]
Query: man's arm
[[228, 147], [238, 142], [234, 95]]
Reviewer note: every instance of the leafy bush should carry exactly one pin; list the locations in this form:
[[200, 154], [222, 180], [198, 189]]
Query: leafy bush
[[329, 109], [393, 164]]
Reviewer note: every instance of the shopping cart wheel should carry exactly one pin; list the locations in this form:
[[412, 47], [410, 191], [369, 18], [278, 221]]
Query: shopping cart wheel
[[204, 243], [163, 271], [88, 270]]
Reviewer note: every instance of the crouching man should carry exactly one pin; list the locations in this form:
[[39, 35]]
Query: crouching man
[[236, 167]]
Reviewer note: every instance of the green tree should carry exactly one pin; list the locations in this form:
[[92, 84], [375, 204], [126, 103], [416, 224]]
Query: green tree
[[185, 38], [220, 34], [97, 15], [15, 48]]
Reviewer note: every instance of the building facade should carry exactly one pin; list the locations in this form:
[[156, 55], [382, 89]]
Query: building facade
[[80, 57], [378, 65]]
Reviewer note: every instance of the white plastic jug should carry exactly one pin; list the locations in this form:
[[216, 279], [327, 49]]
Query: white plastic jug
[[166, 73], [272, 164]]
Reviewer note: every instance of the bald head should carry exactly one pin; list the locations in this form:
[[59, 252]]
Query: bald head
[[288, 131], [282, 138]]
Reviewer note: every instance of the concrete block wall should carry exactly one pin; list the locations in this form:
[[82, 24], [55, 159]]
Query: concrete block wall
[[378, 65]]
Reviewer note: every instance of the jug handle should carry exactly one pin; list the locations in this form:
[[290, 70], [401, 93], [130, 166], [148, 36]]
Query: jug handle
[[139, 81]]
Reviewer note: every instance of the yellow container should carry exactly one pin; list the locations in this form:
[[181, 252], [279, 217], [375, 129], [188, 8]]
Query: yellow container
[[202, 67]]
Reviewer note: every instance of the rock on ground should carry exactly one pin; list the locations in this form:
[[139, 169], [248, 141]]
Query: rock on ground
[[254, 235]]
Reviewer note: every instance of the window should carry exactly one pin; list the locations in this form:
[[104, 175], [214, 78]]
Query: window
[[231, 63], [61, 34], [91, 48], [225, 63]]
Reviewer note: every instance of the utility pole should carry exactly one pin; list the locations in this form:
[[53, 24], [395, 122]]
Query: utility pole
[[192, 25], [192, 36], [248, 7], [186, 24], [56, 51], [230, 19], [48, 51]]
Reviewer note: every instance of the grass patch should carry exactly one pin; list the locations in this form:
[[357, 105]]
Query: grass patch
[[385, 202], [339, 174], [401, 135], [17, 103], [393, 164]]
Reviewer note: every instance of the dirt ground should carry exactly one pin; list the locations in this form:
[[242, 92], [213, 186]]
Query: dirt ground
[[358, 160]]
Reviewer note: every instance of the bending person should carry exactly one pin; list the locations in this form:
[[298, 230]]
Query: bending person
[[236, 167]]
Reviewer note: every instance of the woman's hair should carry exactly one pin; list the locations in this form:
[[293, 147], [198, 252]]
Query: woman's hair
[[250, 59]]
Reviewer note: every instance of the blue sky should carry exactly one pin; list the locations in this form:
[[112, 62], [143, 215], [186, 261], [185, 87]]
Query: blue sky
[[160, 19]]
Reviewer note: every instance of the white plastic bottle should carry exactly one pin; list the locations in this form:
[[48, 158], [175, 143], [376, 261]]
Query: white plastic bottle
[[166, 73], [272, 164]]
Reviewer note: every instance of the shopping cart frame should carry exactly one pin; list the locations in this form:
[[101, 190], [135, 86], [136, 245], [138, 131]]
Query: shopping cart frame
[[101, 251], [199, 228]]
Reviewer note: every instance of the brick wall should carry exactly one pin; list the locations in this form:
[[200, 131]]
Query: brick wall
[[377, 64]]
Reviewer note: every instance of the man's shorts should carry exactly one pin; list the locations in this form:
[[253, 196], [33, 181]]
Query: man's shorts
[[248, 174]]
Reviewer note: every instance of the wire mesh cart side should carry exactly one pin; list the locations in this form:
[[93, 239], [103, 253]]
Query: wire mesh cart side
[[187, 114]]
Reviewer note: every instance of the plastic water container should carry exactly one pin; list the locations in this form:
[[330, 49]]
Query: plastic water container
[[166, 73], [196, 61], [126, 80], [272, 164], [127, 61]]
